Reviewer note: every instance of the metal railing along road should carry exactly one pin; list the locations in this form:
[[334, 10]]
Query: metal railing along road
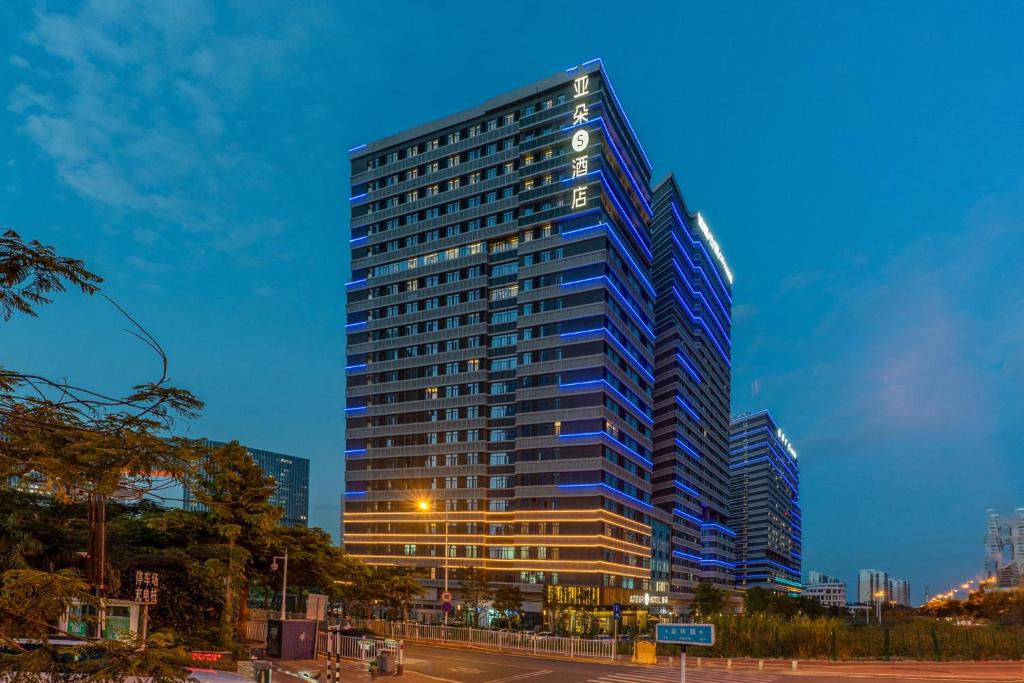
[[501, 640], [352, 647]]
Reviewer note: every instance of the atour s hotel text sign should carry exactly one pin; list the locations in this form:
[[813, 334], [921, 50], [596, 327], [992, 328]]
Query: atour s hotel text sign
[[580, 140]]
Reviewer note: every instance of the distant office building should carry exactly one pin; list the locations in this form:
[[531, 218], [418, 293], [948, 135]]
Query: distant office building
[[873, 585], [1004, 550], [828, 593], [764, 505], [291, 481], [818, 577], [899, 592]]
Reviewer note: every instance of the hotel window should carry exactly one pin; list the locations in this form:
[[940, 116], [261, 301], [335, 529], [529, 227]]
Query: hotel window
[[474, 178], [508, 143], [474, 130], [528, 184], [473, 365], [432, 167], [430, 461], [492, 124], [451, 391], [430, 393], [453, 161], [412, 196], [548, 153], [451, 345], [431, 190], [391, 158], [412, 151], [453, 138], [451, 482], [509, 119], [509, 167], [410, 548], [472, 481], [453, 184], [412, 173], [472, 550], [432, 144]]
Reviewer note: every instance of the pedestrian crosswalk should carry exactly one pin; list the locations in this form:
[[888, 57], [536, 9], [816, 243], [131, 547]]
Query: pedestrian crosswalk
[[637, 674]]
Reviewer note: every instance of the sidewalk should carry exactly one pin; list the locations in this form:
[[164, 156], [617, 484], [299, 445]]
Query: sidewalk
[[963, 672], [316, 670]]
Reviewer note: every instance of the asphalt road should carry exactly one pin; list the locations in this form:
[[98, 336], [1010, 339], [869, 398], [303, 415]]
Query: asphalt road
[[468, 666]]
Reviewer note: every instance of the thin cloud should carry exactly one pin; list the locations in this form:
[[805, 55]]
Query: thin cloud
[[143, 110]]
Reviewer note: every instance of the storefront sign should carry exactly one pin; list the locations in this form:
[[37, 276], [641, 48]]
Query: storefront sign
[[648, 599]]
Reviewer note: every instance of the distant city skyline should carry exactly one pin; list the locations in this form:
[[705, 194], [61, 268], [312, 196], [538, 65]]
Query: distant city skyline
[[869, 191]]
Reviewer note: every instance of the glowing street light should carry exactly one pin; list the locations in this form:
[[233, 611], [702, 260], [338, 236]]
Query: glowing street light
[[425, 506]]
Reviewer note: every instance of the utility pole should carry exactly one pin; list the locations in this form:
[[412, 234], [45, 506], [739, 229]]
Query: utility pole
[[97, 560]]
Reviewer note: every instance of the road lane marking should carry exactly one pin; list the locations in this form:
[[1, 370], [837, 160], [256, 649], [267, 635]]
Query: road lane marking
[[519, 677]]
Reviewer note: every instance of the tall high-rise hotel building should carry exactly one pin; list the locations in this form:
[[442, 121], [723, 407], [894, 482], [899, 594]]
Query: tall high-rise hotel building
[[537, 354]]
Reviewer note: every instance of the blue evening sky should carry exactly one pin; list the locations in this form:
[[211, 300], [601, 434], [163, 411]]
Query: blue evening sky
[[860, 164]]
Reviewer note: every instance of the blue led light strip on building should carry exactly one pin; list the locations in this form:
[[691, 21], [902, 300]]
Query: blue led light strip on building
[[699, 270], [723, 529], [639, 409], [698, 243], [688, 556], [689, 368], [625, 299], [687, 447], [611, 337], [611, 438], [781, 457], [720, 563], [684, 487], [637, 270], [765, 560], [610, 488], [611, 91], [690, 411], [699, 295], [686, 515], [765, 458], [700, 321]]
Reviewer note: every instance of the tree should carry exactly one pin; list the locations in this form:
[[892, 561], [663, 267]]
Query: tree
[[475, 591], [236, 493], [508, 600], [708, 599], [81, 445], [398, 588]]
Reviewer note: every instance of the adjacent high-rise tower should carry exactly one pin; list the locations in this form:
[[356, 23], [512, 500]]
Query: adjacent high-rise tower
[[765, 504], [502, 333]]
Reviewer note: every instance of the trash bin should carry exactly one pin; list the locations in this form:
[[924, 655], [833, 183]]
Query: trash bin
[[645, 652], [386, 663], [261, 671]]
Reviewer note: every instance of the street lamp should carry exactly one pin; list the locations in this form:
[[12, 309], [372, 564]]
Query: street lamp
[[284, 581], [878, 605], [425, 506]]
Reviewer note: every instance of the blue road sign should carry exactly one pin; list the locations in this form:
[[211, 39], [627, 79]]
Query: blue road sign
[[685, 634], [616, 611], [446, 606]]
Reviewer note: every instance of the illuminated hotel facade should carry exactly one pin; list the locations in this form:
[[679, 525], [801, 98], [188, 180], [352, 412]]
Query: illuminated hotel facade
[[501, 351], [765, 504]]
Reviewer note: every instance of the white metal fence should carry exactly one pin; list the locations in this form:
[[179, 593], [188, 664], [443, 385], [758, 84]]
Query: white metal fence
[[350, 647], [500, 640]]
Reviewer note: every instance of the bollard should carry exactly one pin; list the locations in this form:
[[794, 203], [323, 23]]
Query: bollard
[[728, 664], [794, 665], [699, 662], [760, 665]]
